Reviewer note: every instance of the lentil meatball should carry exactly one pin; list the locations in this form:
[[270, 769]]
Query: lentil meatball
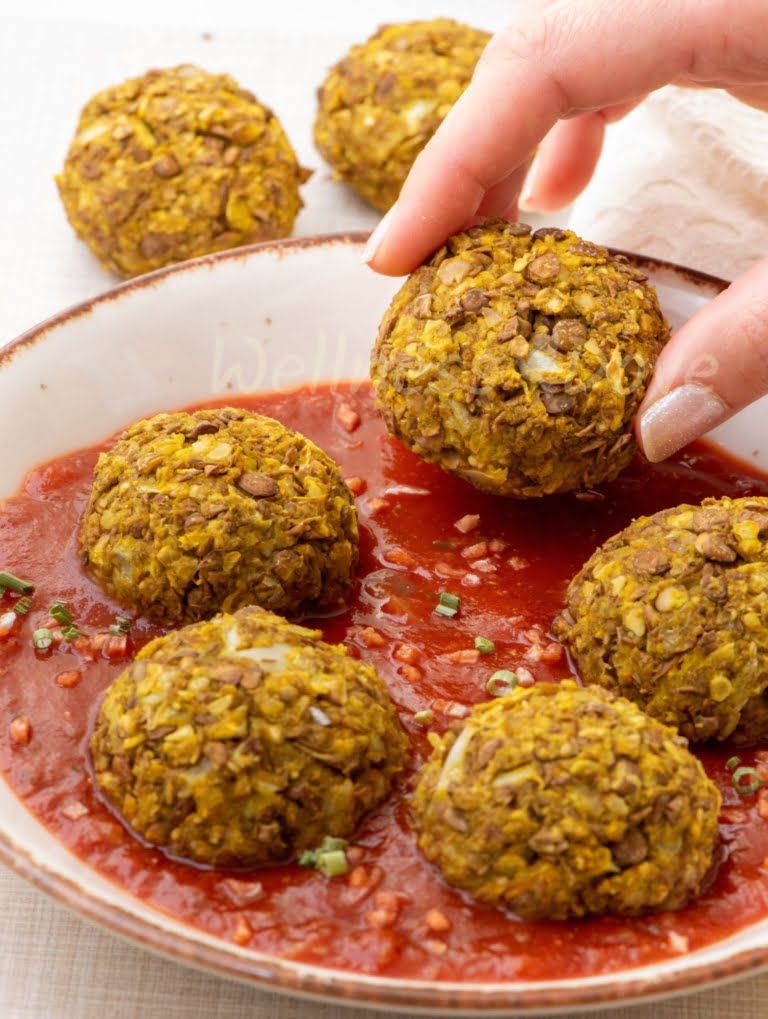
[[673, 613], [174, 164], [244, 740], [518, 360], [193, 513], [380, 105], [558, 801]]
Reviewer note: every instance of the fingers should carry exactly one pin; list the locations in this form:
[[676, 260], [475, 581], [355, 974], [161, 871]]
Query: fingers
[[574, 56], [752, 95], [566, 159], [564, 163], [713, 367], [501, 200]]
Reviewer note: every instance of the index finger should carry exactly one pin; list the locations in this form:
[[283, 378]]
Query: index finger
[[570, 58]]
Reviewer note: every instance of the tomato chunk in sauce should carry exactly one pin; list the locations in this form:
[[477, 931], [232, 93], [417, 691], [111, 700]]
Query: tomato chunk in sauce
[[510, 563]]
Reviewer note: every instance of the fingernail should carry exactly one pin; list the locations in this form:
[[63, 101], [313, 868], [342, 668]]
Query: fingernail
[[374, 241], [678, 418], [527, 202]]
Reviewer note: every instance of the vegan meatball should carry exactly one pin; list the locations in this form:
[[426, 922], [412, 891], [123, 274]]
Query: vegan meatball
[[195, 513], [518, 360], [174, 164], [381, 104], [557, 802], [673, 613], [244, 740]]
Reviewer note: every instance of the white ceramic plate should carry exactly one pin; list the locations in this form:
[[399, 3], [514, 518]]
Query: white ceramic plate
[[269, 317]]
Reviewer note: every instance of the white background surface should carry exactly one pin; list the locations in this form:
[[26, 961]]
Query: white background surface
[[53, 55]]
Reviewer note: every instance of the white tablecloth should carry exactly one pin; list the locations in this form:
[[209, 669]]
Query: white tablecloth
[[53, 965]]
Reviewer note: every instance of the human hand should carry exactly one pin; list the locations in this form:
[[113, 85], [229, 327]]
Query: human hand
[[554, 79]]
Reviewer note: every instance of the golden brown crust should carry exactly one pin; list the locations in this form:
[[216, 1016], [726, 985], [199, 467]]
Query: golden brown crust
[[559, 802], [518, 360], [194, 513], [244, 740], [175, 164], [380, 105], [672, 612]]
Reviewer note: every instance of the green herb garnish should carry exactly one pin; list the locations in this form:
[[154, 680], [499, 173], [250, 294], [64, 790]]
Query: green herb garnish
[[746, 789], [448, 605], [732, 762], [484, 646], [42, 638], [10, 583], [501, 683], [329, 857], [70, 633], [60, 613], [22, 605]]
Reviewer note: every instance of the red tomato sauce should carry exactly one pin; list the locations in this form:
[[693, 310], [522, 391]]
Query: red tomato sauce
[[391, 914]]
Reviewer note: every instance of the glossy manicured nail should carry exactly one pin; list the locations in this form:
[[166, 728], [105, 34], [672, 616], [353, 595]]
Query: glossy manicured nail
[[374, 241], [678, 418]]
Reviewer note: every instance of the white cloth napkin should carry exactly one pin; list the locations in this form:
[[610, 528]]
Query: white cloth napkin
[[684, 177]]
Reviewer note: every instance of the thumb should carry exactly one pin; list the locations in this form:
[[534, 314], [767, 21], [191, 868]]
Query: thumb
[[713, 367]]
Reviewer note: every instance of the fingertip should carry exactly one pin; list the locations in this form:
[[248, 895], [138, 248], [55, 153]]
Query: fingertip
[[372, 251], [436, 201], [677, 418]]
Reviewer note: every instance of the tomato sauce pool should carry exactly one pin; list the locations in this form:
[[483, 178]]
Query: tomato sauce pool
[[391, 914]]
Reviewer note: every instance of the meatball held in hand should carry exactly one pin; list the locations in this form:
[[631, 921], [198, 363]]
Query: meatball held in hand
[[195, 513], [244, 740], [381, 104], [518, 360], [557, 802], [673, 613], [175, 164]]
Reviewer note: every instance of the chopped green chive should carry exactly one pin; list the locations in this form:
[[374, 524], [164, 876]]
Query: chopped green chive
[[446, 545], [331, 842], [22, 606], [10, 583], [484, 646], [424, 718], [42, 638], [333, 864], [329, 857], [60, 613], [448, 605], [120, 627], [746, 788], [70, 633], [732, 762], [501, 683]]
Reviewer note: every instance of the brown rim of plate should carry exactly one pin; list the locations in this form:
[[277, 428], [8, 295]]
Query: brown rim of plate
[[272, 973]]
